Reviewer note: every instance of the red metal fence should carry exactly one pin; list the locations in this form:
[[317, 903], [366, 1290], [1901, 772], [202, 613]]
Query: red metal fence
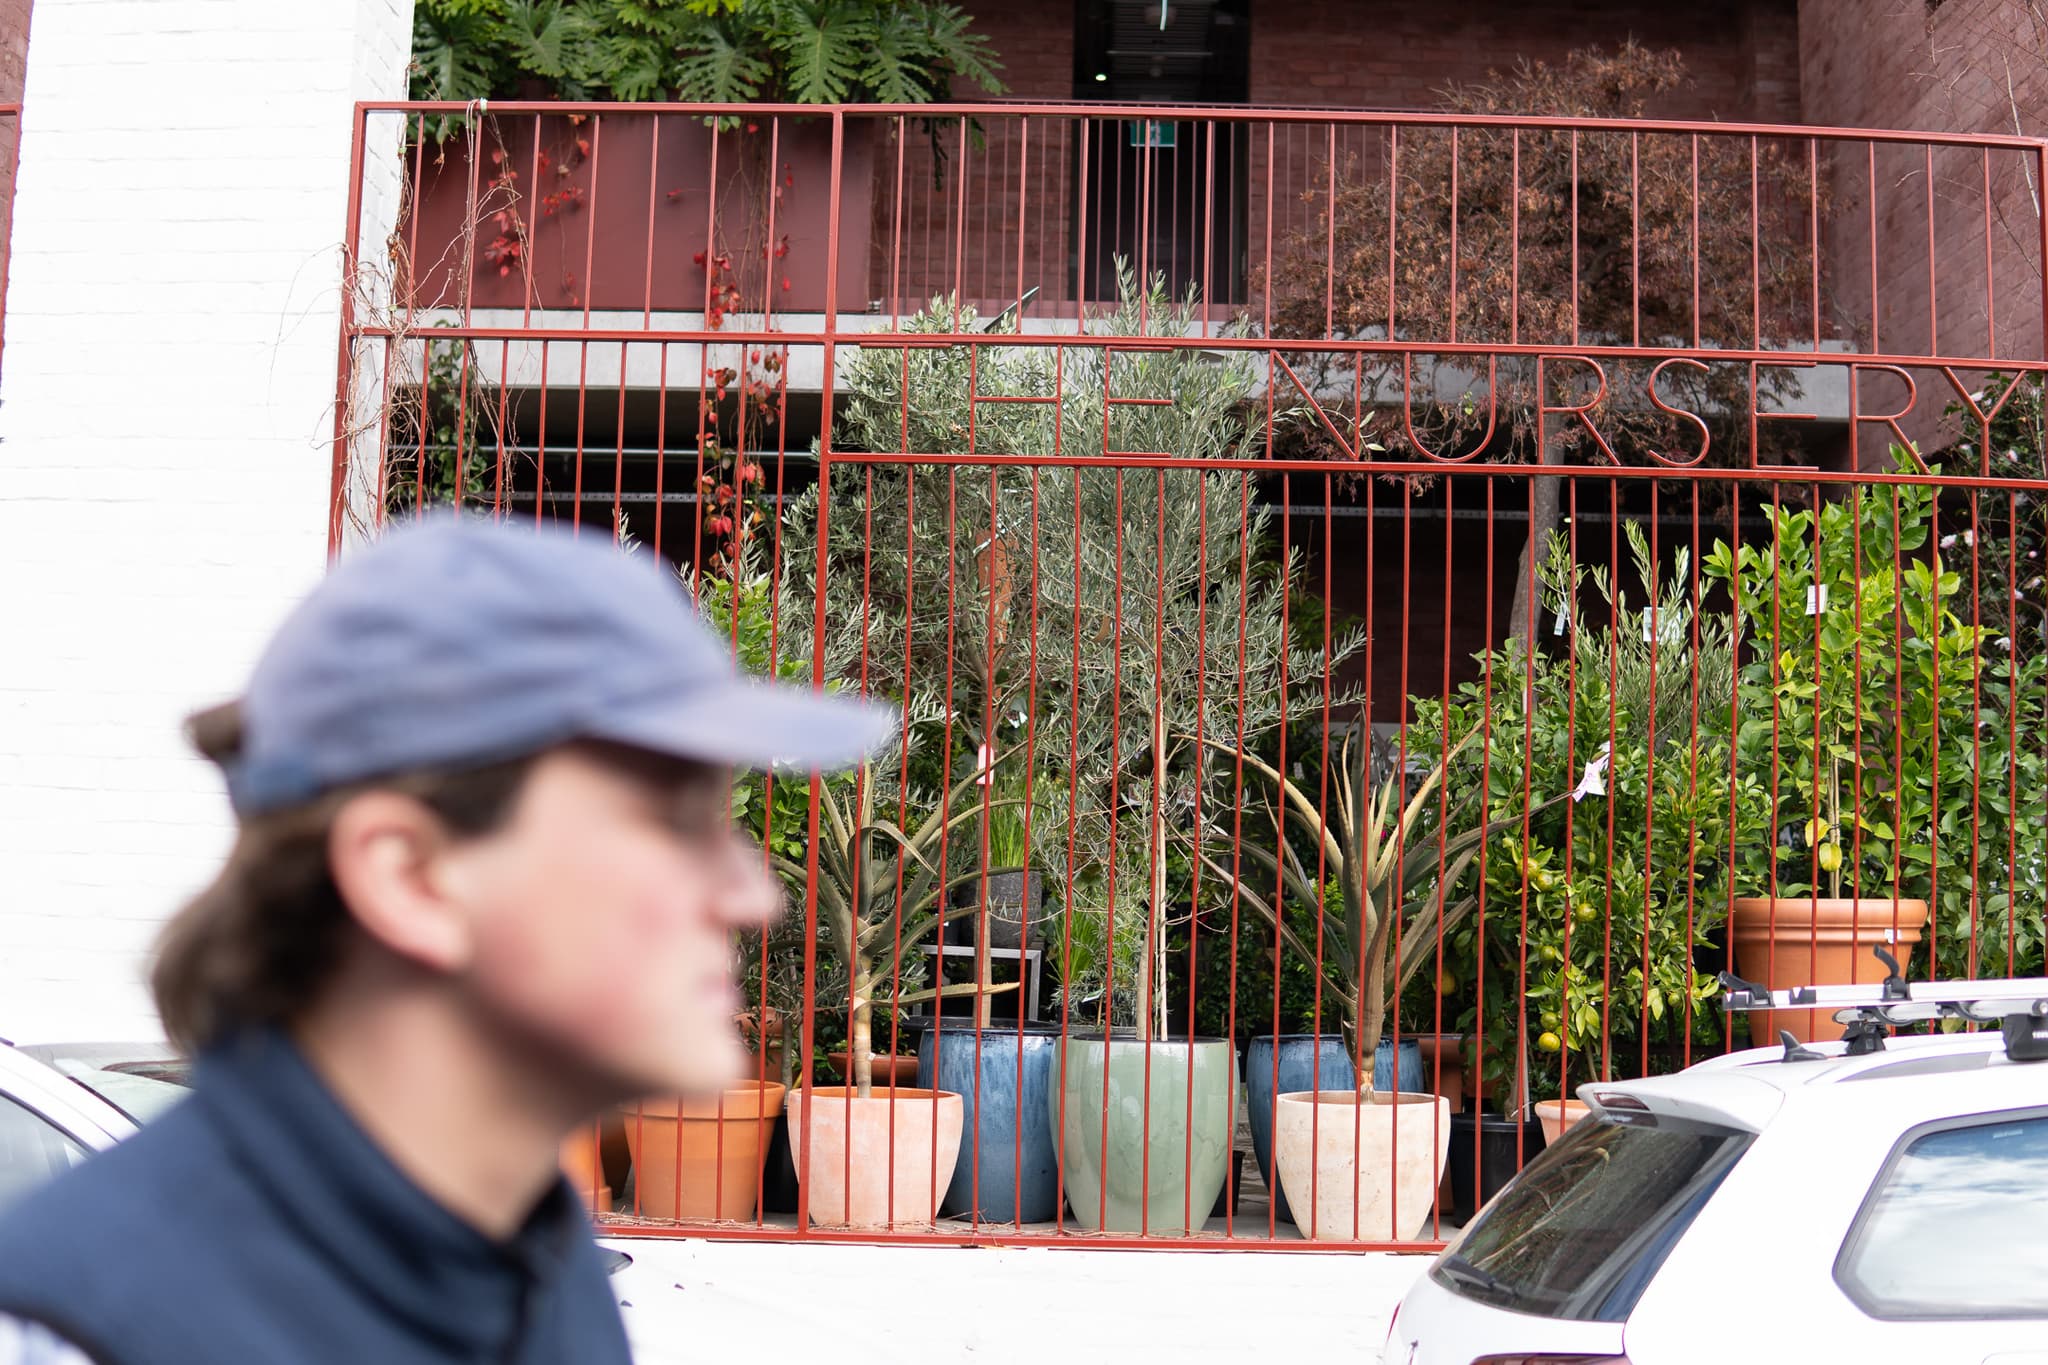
[[1361, 591]]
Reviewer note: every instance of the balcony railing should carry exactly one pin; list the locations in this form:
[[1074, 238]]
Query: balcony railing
[[1370, 598]]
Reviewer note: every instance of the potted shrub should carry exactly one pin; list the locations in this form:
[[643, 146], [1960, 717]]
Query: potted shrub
[[1363, 1162], [867, 1159], [1862, 688], [1595, 911], [478, 229]]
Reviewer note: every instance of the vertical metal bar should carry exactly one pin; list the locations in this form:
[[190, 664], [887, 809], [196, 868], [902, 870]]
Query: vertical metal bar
[[344, 361], [1933, 309], [833, 245]]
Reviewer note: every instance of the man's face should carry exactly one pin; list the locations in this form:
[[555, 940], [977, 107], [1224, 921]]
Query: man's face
[[602, 915]]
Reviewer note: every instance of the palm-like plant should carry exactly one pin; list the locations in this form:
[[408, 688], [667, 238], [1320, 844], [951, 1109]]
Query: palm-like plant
[[883, 889], [1398, 893]]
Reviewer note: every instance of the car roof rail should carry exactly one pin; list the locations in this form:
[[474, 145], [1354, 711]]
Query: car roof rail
[[2018, 1005]]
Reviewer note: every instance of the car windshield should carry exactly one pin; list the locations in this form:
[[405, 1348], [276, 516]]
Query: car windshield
[[1580, 1233]]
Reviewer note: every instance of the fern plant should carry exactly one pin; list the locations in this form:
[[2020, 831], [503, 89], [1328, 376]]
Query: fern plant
[[711, 51]]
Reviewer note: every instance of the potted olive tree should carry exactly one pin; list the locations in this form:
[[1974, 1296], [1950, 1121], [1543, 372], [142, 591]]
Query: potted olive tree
[[1857, 694], [1093, 614]]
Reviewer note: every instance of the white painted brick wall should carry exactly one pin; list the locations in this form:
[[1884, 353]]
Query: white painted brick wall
[[165, 444]]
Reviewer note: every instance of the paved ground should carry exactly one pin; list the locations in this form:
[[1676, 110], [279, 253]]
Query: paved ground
[[848, 1305]]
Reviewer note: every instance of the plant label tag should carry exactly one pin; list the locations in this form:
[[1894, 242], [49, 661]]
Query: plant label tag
[[1816, 599], [1558, 628]]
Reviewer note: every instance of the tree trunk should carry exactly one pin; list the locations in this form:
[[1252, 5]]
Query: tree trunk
[[790, 1035], [1543, 511], [1153, 974], [859, 1042]]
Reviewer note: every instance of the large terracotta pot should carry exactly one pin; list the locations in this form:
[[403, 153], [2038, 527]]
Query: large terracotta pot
[[1558, 1115], [701, 1159], [1804, 942], [584, 1169], [1359, 1171], [876, 1162], [1168, 1152]]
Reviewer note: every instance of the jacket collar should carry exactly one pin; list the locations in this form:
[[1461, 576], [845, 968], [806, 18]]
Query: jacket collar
[[345, 1198]]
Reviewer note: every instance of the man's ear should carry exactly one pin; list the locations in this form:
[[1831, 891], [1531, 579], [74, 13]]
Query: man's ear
[[383, 849]]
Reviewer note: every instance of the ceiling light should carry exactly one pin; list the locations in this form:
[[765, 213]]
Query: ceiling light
[[1102, 75]]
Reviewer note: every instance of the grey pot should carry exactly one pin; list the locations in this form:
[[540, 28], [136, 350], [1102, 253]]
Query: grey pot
[[1012, 900]]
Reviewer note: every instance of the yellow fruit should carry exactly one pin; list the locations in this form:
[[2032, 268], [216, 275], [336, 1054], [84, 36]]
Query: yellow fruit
[[1549, 1042], [1585, 912], [1830, 857]]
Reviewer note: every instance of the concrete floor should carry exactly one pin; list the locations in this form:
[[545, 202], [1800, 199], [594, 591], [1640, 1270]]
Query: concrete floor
[[845, 1304]]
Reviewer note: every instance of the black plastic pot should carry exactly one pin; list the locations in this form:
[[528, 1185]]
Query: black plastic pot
[[778, 1171], [1233, 1186], [1012, 900], [1484, 1146]]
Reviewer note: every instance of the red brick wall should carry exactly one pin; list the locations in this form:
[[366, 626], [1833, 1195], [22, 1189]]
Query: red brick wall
[[1338, 53], [1898, 64], [1394, 54]]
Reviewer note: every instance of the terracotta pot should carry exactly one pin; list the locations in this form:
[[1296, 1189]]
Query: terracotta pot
[[585, 1171], [1558, 1115], [701, 1159], [877, 1162], [885, 1065], [1358, 1171], [1443, 1065], [1803, 942]]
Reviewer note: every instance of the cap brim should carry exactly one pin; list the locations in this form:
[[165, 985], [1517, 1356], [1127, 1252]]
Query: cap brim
[[758, 725]]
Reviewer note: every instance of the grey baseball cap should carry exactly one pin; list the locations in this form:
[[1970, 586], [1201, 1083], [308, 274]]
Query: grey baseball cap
[[459, 642]]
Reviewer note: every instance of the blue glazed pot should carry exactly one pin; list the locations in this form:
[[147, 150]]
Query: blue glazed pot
[[1315, 1061], [1008, 1170]]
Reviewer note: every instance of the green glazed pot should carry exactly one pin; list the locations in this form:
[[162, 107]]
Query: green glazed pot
[[1158, 1181]]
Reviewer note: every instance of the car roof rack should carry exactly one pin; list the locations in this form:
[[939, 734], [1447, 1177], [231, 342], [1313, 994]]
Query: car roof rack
[[2018, 1005]]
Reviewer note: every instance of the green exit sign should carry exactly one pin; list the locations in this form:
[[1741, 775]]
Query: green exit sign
[[1151, 132]]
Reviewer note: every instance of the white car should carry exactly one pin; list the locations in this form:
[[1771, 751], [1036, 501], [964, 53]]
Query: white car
[[1784, 1203]]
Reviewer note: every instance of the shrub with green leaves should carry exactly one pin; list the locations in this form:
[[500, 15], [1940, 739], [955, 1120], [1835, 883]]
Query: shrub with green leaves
[[712, 51], [1884, 723], [1607, 895]]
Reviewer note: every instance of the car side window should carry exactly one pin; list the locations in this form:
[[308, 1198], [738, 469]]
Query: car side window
[[32, 1150], [1952, 1228]]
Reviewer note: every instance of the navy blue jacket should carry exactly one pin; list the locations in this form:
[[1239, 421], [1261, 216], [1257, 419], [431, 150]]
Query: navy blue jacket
[[256, 1222]]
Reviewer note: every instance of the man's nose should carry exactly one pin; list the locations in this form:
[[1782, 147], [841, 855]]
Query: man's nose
[[753, 896]]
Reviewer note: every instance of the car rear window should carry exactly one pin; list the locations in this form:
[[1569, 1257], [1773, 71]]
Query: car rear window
[[1579, 1234], [1952, 1229]]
